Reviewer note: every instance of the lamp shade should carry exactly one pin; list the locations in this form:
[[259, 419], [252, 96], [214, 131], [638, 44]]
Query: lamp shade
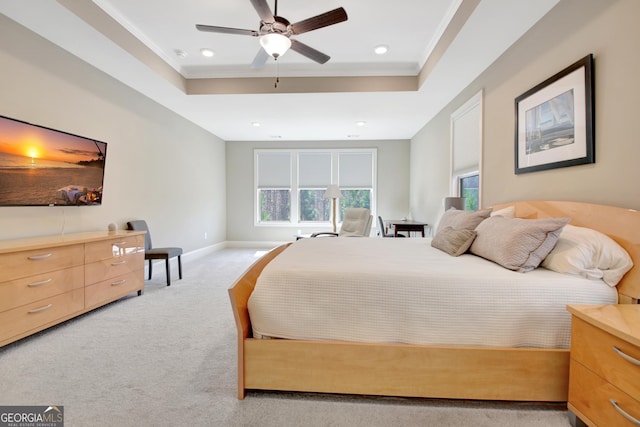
[[454, 202], [333, 192], [275, 44]]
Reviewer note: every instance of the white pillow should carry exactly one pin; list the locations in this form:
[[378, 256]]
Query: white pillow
[[589, 253], [508, 212]]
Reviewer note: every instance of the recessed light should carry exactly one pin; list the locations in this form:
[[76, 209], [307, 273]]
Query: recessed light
[[361, 123], [255, 124], [206, 52], [180, 53], [381, 49]]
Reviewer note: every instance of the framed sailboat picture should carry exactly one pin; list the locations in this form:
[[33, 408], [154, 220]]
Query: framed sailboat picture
[[554, 121]]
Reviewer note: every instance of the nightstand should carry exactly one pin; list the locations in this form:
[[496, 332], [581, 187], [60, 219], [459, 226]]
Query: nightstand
[[604, 379]]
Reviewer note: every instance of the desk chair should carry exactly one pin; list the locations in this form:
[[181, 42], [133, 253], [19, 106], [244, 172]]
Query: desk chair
[[383, 232], [356, 223], [151, 253]]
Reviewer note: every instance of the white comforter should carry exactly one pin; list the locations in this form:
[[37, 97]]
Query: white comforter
[[405, 291]]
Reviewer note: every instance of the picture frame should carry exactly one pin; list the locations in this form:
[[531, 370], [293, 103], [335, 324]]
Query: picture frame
[[554, 126]]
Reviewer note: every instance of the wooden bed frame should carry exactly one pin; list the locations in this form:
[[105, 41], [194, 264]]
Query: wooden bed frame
[[518, 374]]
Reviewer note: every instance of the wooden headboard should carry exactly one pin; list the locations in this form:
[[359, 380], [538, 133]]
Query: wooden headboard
[[622, 225]]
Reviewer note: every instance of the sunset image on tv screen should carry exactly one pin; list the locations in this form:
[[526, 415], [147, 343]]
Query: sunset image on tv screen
[[45, 167]]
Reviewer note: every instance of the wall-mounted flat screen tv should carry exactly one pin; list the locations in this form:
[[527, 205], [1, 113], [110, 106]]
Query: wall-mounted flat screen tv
[[47, 167]]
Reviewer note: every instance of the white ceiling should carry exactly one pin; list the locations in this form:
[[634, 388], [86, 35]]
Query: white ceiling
[[413, 30]]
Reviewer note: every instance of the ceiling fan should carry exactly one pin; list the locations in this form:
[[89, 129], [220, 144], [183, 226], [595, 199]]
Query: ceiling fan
[[275, 32]]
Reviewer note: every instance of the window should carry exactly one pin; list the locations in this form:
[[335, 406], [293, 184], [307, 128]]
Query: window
[[313, 207], [275, 205], [356, 180], [314, 172], [466, 151], [354, 198], [273, 182], [469, 189], [290, 184]]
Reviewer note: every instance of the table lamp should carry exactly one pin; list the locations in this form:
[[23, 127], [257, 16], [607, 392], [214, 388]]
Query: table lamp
[[333, 193], [455, 202]]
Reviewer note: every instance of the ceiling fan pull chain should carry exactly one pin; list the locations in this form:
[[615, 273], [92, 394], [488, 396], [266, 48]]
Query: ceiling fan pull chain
[[277, 72]]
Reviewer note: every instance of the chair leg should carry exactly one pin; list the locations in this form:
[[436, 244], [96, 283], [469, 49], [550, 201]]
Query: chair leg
[[166, 262], [150, 264], [179, 266]]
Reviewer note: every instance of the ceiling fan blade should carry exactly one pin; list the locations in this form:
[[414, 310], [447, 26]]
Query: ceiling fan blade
[[263, 9], [309, 52], [227, 30], [328, 18], [260, 59]]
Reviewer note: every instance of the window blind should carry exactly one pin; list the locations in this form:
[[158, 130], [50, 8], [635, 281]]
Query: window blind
[[273, 169], [314, 169], [356, 169]]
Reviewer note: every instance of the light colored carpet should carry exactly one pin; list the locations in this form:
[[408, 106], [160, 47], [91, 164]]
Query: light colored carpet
[[167, 358]]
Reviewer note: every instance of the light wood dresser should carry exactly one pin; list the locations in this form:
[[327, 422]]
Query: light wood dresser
[[47, 280], [604, 379]]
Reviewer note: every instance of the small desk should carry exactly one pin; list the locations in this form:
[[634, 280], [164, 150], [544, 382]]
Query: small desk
[[407, 225]]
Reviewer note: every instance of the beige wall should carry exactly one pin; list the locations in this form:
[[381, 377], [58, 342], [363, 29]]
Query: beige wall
[[159, 166], [392, 185], [185, 182], [573, 29]]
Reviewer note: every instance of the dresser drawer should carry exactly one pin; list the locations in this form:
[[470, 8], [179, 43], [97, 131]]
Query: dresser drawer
[[28, 263], [113, 267], [34, 315], [117, 247], [595, 349], [16, 293], [114, 288], [591, 396]]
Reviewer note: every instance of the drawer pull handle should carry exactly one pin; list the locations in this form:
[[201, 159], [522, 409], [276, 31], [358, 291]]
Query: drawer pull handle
[[44, 282], [115, 264], [119, 282], [38, 310], [626, 357], [624, 413], [39, 257]]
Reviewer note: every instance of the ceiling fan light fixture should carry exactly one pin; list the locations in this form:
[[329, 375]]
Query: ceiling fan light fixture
[[275, 44]]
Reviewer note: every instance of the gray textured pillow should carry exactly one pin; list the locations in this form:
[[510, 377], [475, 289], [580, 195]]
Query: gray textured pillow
[[453, 242], [515, 243], [462, 220]]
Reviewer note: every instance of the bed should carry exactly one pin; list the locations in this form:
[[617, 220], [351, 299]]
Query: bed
[[525, 370]]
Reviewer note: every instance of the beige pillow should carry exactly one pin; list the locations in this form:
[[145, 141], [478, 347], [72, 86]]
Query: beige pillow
[[453, 242], [462, 220], [590, 254], [515, 243]]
